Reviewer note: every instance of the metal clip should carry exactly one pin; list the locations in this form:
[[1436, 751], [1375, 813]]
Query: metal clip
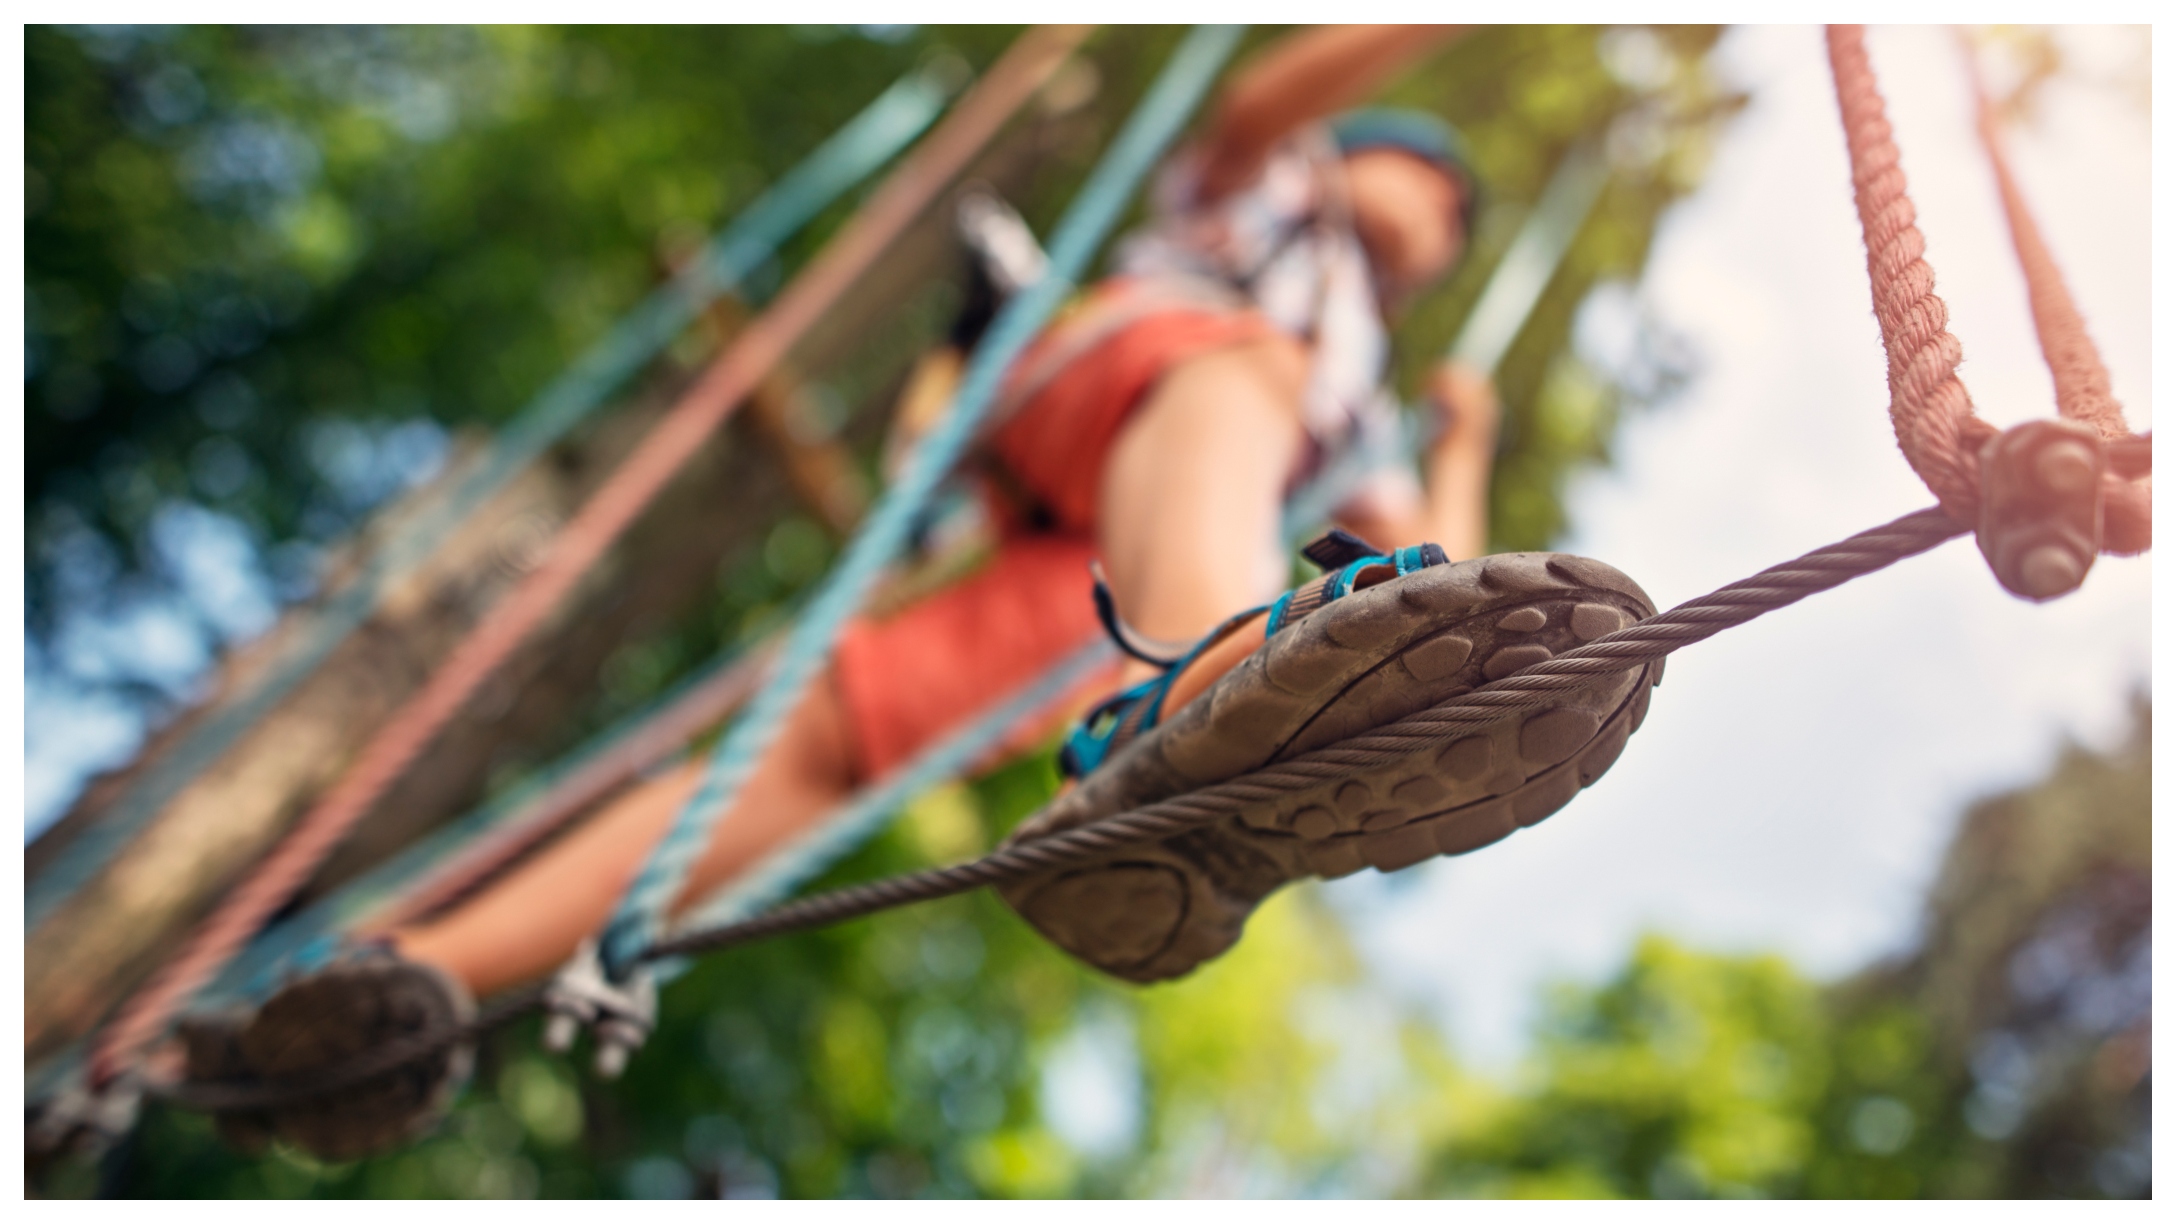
[[2040, 506], [83, 1119], [619, 1016]]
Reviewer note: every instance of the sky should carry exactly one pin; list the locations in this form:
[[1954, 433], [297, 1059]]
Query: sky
[[1798, 778]]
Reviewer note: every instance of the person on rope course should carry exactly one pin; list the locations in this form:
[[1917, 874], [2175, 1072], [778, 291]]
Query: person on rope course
[[1156, 428], [1154, 431]]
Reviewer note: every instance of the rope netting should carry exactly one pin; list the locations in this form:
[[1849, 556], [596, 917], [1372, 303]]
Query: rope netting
[[856, 151], [677, 436], [1930, 409]]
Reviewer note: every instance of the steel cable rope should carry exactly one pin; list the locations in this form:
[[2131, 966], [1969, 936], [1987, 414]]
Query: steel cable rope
[[1633, 646], [1530, 688], [1156, 120], [866, 142], [838, 834], [905, 193]]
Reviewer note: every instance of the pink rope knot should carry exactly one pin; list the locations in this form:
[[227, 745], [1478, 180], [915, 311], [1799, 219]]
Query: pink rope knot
[[1930, 409]]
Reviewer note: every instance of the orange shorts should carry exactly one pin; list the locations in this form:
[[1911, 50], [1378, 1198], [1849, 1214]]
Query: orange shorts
[[921, 672]]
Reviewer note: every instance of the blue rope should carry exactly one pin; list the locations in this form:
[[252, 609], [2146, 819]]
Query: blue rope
[[1180, 87], [867, 813], [869, 140]]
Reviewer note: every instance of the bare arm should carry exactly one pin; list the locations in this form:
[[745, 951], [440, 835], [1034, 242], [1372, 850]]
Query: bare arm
[[1303, 77], [1453, 512]]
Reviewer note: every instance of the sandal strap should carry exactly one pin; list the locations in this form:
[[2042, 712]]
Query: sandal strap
[[1119, 719]]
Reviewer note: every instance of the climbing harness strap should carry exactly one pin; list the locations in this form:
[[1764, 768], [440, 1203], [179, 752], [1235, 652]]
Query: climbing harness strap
[[584, 540], [867, 141], [1155, 122]]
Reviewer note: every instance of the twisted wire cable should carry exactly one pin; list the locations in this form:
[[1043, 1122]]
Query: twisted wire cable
[[1633, 646]]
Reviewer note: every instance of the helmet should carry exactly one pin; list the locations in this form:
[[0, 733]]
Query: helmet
[[1420, 134]]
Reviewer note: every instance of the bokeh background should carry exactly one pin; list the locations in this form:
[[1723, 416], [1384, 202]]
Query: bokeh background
[[1865, 910]]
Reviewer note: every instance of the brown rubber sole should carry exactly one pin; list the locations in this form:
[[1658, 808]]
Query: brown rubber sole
[[325, 1020], [1369, 659]]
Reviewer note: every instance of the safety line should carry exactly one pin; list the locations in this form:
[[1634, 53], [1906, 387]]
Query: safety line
[[1633, 646]]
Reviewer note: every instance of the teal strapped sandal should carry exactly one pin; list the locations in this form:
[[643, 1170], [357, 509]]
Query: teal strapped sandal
[[1377, 637], [1126, 714]]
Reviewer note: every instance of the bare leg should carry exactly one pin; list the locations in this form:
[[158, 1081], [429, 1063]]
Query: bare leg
[[528, 924], [1192, 494], [1191, 502]]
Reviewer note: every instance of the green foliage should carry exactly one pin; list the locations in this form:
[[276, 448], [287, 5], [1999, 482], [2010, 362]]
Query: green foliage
[[1687, 1075], [245, 244]]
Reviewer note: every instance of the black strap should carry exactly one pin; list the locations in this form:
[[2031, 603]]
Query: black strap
[[1338, 548]]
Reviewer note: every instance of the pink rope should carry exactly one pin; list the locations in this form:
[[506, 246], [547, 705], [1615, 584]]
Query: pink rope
[[2082, 391], [1928, 405]]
